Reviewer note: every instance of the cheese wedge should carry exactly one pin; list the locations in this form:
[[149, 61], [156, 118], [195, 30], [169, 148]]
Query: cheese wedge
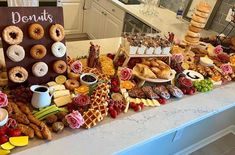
[[156, 103], [63, 100], [56, 88], [137, 100], [144, 101], [52, 83], [60, 93]]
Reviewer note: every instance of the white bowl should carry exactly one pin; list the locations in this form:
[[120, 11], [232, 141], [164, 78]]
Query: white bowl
[[88, 83], [3, 116]]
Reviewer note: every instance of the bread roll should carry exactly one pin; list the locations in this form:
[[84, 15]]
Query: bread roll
[[196, 24], [193, 34], [199, 19], [164, 74], [195, 29]]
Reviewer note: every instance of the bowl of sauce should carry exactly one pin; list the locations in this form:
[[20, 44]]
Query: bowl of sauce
[[88, 79]]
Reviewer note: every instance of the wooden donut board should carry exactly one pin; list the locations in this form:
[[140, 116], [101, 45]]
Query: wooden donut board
[[23, 17]]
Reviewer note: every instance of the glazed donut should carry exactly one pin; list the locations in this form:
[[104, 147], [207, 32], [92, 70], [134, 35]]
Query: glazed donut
[[72, 75], [204, 7], [40, 69], [16, 53], [71, 84], [36, 31], [196, 24], [199, 19], [194, 29], [193, 34], [59, 66], [38, 51], [58, 49], [201, 14], [12, 35], [57, 32], [192, 39], [18, 74]]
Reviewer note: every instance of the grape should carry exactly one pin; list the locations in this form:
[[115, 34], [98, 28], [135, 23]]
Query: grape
[[203, 85]]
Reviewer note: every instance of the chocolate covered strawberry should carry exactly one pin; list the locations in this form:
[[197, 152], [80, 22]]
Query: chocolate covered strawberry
[[183, 82]]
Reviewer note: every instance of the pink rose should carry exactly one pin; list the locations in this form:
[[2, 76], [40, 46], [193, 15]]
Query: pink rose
[[218, 49], [74, 119], [226, 69], [125, 74], [76, 67], [178, 58], [3, 100], [81, 100]]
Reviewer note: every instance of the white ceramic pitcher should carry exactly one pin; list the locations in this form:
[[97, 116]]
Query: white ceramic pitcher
[[41, 97]]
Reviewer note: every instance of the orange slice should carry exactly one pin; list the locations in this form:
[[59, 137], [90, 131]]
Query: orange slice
[[60, 79], [216, 78], [81, 90], [232, 59], [127, 85]]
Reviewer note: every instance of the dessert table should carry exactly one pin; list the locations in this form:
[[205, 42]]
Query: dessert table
[[112, 136]]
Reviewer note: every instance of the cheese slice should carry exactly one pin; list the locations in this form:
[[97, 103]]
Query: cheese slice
[[156, 103], [60, 93], [52, 83], [56, 88], [137, 100], [63, 100]]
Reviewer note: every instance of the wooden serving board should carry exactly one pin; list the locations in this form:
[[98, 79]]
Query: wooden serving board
[[23, 17]]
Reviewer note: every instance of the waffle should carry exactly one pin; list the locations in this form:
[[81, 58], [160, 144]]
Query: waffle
[[91, 118], [102, 108], [96, 72]]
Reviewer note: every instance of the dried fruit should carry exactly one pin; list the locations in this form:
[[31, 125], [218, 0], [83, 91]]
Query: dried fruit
[[13, 132], [58, 127]]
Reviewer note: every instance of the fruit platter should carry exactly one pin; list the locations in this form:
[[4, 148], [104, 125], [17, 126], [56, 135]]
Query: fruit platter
[[96, 87]]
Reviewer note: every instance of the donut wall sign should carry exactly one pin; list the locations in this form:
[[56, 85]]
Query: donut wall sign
[[33, 43]]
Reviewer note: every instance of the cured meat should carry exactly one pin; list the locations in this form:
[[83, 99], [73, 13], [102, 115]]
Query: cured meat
[[162, 91], [148, 90], [176, 92], [136, 92]]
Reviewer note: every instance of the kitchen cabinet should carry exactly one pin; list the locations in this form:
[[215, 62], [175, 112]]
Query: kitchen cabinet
[[103, 21], [73, 16]]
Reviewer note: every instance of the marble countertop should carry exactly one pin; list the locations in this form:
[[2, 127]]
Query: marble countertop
[[114, 135], [165, 21]]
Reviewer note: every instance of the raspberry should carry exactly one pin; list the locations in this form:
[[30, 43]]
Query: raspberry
[[137, 108], [132, 105], [113, 113], [141, 105], [162, 101]]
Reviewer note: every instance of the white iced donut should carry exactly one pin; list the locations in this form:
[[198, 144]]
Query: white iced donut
[[40, 69], [58, 49], [15, 53]]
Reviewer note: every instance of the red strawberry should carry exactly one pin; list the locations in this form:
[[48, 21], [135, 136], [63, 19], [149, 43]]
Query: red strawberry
[[137, 108], [132, 105], [141, 105], [111, 56], [190, 92], [111, 108], [13, 132], [3, 139], [3, 130], [113, 113], [162, 101]]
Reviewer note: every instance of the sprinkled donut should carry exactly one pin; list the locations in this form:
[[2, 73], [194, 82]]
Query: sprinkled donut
[[40, 69], [12, 35], [60, 67], [36, 31], [58, 49], [16, 53], [18, 74], [57, 32], [38, 51]]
